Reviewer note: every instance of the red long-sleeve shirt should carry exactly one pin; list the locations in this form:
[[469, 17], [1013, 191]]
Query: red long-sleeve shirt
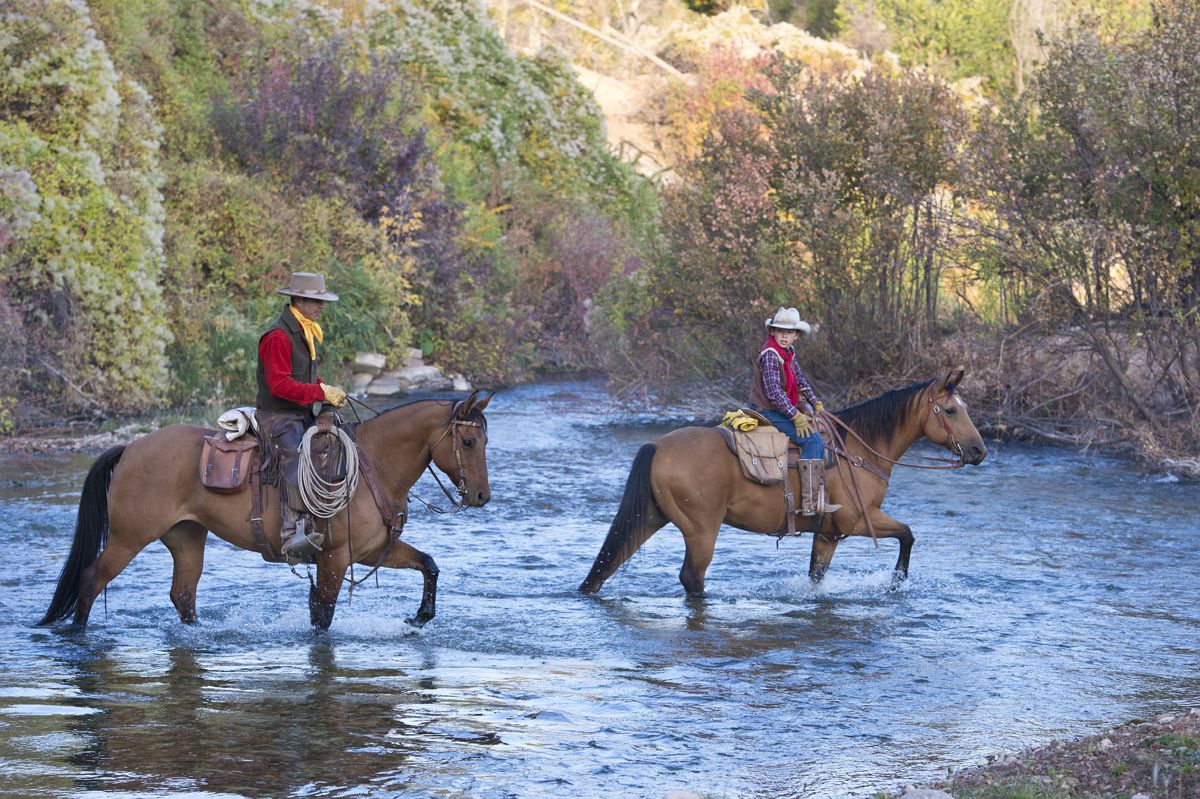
[[275, 352]]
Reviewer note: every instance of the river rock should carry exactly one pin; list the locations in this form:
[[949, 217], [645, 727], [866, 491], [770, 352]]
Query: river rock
[[422, 377], [415, 358], [384, 385], [459, 383], [369, 363], [359, 382], [927, 793]]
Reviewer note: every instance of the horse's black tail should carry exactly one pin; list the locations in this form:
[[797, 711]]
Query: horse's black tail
[[91, 534], [630, 527]]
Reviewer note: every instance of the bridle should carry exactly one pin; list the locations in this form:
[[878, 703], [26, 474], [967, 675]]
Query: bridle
[[832, 423], [455, 437], [399, 517], [934, 461], [955, 446]]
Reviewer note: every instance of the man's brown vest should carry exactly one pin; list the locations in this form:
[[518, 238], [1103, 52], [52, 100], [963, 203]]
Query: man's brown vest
[[304, 368]]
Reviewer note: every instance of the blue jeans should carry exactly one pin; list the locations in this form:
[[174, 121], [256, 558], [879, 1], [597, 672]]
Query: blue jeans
[[811, 447]]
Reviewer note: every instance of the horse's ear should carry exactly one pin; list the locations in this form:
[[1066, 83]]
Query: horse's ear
[[463, 408], [483, 403], [951, 381]]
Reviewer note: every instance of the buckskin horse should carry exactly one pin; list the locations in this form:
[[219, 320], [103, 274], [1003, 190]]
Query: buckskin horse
[[150, 490], [690, 478]]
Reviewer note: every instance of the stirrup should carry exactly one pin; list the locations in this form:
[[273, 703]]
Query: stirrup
[[826, 507], [303, 543]]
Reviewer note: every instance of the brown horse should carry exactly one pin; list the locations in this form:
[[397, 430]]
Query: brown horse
[[150, 490], [690, 478]]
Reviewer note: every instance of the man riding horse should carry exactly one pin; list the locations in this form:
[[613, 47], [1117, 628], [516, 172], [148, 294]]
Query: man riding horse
[[776, 392], [291, 399]]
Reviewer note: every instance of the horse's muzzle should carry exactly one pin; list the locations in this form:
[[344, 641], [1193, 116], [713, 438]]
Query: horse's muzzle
[[477, 499], [973, 454]]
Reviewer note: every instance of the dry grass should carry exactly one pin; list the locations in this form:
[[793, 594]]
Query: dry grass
[[1157, 759]]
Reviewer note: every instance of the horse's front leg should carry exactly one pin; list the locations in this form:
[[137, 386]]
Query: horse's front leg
[[823, 547], [887, 527], [322, 595], [405, 556]]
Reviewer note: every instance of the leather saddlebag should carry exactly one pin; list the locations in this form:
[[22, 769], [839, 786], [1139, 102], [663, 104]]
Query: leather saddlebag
[[225, 465], [762, 454]]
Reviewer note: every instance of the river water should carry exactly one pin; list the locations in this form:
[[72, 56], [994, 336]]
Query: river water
[[1051, 594]]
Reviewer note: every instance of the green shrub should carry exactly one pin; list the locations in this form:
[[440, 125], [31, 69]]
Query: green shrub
[[84, 254]]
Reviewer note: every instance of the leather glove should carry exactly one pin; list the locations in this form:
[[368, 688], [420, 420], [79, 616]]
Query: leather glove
[[819, 408], [803, 424], [334, 395]]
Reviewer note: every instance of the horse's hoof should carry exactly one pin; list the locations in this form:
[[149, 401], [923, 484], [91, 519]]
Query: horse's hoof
[[898, 579], [417, 621]]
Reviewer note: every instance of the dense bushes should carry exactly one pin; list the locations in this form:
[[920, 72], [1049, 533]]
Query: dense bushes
[[326, 120], [457, 196], [81, 215], [1098, 220], [830, 194], [914, 228], [522, 155]]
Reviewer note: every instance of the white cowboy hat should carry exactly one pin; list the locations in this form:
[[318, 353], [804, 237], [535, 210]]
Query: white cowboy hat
[[789, 319], [309, 286]]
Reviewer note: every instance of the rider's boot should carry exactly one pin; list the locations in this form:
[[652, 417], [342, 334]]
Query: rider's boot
[[813, 500], [299, 537]]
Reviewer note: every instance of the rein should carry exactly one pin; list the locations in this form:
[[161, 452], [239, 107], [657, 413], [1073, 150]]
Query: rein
[[396, 523], [452, 429], [857, 460], [838, 445], [455, 505]]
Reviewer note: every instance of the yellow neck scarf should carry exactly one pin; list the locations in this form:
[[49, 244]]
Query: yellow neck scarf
[[311, 330]]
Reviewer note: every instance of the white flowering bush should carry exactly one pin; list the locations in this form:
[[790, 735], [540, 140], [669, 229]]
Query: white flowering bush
[[81, 212]]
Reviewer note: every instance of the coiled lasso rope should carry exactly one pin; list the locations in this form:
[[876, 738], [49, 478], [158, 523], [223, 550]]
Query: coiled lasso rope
[[325, 499]]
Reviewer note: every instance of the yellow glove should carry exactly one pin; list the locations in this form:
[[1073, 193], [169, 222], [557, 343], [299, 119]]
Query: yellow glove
[[819, 408], [803, 424], [334, 395]]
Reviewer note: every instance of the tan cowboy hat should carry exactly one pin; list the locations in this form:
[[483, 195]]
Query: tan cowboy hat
[[789, 319], [309, 286]]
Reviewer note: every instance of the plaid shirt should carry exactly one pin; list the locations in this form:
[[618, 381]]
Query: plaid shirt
[[772, 375]]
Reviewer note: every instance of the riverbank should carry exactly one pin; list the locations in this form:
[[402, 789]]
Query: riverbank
[[1158, 759]]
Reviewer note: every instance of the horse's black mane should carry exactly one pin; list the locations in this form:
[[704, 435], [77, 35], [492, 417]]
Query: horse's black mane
[[877, 418], [474, 415]]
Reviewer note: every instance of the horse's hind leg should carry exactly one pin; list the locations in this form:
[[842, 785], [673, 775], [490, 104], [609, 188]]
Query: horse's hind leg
[[104, 569], [698, 555], [186, 543], [405, 556]]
